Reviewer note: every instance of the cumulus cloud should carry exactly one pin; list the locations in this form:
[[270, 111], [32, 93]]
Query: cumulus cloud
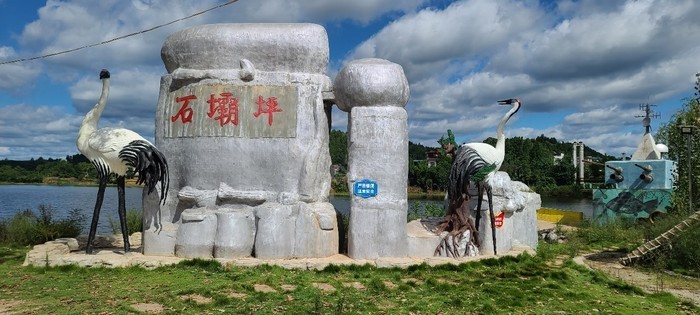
[[29, 131], [584, 58], [37, 131], [133, 93], [571, 62], [64, 25], [429, 40], [14, 77]]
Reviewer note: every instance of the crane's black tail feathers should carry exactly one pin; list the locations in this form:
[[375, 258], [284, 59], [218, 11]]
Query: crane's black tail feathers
[[149, 163], [465, 165]]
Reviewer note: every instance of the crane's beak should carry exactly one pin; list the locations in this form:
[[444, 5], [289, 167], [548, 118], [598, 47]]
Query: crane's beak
[[508, 101]]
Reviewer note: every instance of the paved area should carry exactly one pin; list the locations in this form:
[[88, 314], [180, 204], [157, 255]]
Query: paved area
[[70, 251], [57, 254]]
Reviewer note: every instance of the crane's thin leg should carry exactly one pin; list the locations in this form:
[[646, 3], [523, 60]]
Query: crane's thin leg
[[479, 200], [122, 213], [96, 214], [493, 218]]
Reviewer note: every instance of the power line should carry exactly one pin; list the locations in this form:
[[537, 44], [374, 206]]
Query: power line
[[117, 38]]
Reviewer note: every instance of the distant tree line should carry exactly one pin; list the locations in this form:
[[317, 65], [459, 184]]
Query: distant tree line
[[530, 161], [35, 170]]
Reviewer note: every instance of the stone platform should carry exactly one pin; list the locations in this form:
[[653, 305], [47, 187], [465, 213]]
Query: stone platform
[[68, 252]]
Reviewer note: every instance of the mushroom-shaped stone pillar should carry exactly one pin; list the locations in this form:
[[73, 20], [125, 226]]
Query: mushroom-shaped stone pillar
[[374, 92]]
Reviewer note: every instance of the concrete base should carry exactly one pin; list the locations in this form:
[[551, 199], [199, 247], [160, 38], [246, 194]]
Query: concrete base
[[286, 229], [58, 254], [514, 199], [421, 240]]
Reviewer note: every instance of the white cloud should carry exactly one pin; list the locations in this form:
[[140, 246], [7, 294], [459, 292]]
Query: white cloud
[[15, 77], [610, 116], [362, 11], [581, 58], [427, 41], [37, 131], [596, 57], [27, 131], [133, 93]]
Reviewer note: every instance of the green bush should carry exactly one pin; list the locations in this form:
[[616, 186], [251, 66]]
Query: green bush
[[134, 222], [28, 228], [620, 233], [422, 210], [684, 254], [339, 183]]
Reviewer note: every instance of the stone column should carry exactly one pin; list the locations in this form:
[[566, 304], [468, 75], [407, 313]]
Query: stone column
[[374, 92]]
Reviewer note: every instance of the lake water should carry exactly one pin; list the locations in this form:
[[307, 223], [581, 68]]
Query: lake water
[[64, 198]]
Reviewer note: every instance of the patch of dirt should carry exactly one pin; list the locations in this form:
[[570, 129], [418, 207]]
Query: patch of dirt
[[288, 287], [150, 308], [356, 285], [323, 287], [263, 288], [390, 285], [9, 306], [236, 295], [608, 262], [199, 299], [412, 280], [447, 281]]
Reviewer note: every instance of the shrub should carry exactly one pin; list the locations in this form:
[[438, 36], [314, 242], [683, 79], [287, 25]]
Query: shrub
[[422, 210], [613, 233], [134, 222], [28, 228], [339, 184], [684, 254]]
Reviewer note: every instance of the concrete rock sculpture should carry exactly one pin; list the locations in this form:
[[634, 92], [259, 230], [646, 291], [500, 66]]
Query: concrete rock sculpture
[[242, 120]]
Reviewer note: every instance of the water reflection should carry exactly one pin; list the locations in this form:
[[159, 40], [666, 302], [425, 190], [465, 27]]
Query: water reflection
[[64, 198], [585, 206]]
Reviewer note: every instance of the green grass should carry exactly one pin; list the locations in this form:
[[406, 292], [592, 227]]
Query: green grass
[[28, 227], [510, 285]]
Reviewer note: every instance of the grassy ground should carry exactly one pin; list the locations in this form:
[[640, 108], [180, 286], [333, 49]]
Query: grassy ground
[[513, 285]]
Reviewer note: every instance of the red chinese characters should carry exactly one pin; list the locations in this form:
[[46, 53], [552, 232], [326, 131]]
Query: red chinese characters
[[270, 108], [225, 108], [185, 113]]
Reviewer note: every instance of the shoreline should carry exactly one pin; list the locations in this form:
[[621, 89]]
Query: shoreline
[[412, 191], [73, 184]]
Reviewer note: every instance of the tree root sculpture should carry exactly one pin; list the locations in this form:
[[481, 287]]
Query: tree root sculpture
[[457, 222]]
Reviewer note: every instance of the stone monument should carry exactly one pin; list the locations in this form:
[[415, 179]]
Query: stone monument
[[242, 121], [374, 92]]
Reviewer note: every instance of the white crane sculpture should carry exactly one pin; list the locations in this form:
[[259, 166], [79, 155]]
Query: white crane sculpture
[[115, 150], [477, 162]]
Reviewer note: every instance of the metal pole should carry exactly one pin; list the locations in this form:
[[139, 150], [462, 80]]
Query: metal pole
[[581, 169], [690, 172]]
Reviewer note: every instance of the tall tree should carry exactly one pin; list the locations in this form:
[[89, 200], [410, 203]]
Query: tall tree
[[678, 145], [338, 146]]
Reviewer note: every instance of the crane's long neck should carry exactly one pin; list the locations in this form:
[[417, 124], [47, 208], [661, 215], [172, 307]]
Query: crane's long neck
[[501, 141], [89, 124]]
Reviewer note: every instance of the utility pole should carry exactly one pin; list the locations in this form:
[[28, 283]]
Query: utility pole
[[688, 131]]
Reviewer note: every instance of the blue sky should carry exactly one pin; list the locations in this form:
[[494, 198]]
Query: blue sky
[[581, 68]]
